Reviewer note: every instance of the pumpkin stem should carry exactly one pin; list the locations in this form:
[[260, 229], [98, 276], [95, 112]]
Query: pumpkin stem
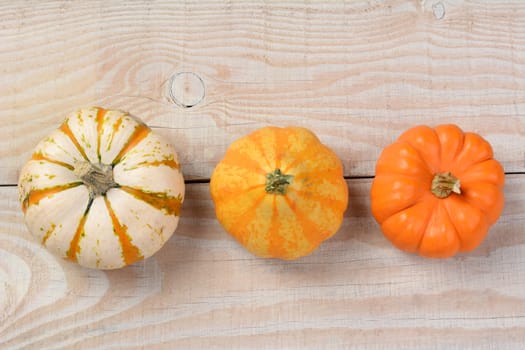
[[97, 177], [444, 184], [277, 182]]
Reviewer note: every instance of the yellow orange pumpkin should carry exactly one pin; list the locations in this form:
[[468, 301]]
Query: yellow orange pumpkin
[[280, 192]]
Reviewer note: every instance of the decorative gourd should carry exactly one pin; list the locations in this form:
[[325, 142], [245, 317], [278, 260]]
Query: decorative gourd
[[102, 190], [279, 192], [437, 191]]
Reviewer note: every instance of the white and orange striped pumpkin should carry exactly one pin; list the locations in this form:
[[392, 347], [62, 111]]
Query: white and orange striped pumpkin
[[102, 190]]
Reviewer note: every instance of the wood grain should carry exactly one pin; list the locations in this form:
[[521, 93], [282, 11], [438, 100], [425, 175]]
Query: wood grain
[[356, 72], [202, 290]]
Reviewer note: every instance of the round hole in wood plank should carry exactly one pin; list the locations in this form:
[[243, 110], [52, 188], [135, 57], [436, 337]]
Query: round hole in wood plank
[[439, 10], [187, 89]]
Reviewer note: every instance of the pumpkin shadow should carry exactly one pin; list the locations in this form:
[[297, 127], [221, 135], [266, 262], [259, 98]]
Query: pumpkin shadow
[[359, 226]]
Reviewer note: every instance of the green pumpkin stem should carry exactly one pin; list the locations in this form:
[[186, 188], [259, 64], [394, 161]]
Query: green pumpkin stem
[[444, 184], [97, 177], [277, 182]]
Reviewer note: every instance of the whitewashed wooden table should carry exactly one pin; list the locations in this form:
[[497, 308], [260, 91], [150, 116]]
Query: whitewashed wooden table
[[358, 73]]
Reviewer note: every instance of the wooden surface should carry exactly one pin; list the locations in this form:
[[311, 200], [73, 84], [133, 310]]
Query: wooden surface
[[358, 73]]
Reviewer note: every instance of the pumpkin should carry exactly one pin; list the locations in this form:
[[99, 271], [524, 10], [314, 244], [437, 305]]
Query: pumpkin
[[437, 191], [102, 190], [280, 192]]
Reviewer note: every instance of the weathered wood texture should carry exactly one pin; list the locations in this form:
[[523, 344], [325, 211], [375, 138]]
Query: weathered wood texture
[[358, 73], [204, 290]]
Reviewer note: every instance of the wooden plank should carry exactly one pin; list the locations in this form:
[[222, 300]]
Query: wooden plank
[[358, 73], [202, 290]]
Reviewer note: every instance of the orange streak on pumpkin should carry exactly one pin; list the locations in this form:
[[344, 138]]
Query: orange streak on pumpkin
[[309, 148], [117, 125], [74, 246], [159, 200], [275, 239], [40, 156], [141, 131], [235, 158], [100, 122], [324, 201], [311, 153], [48, 233], [115, 128], [255, 139], [166, 162], [67, 130], [327, 174], [244, 192], [310, 228], [245, 218], [130, 252], [281, 139], [36, 195]]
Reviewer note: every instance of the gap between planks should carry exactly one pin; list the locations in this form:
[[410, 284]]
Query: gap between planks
[[207, 180]]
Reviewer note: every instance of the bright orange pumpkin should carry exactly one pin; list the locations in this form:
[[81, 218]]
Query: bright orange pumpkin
[[437, 191], [280, 192]]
